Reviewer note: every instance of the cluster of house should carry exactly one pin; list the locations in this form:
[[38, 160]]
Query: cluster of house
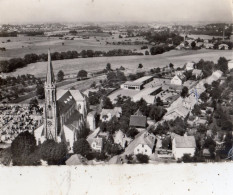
[[187, 44]]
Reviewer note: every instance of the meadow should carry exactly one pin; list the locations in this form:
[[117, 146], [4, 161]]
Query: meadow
[[177, 57], [19, 46]]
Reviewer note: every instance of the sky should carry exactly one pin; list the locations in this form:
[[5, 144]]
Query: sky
[[74, 11]]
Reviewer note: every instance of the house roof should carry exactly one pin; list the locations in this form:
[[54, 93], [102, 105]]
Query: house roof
[[185, 141], [197, 72], [189, 64], [65, 102], [181, 110], [113, 112], [76, 159], [137, 121], [78, 96], [142, 138]]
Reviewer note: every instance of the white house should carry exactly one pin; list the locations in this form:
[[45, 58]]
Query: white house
[[108, 114], [223, 47], [91, 122], [189, 66], [183, 145], [230, 65], [143, 143], [178, 80], [197, 73], [121, 139]]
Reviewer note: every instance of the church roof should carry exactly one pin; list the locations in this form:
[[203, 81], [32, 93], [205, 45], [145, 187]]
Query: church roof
[[65, 102], [78, 96]]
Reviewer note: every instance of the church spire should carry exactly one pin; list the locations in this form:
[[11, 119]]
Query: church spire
[[50, 76]]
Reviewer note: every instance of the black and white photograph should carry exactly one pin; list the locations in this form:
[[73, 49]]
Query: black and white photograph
[[126, 82]]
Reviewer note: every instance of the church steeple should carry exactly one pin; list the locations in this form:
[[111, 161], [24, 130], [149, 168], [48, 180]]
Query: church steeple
[[50, 108], [50, 75]]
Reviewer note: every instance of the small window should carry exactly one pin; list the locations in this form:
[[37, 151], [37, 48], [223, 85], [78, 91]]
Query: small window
[[143, 145], [145, 150]]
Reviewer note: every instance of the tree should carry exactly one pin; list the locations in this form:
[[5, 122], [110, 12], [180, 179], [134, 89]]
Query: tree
[[107, 104], [184, 92], [147, 53], [196, 110], [108, 67], [60, 76], [142, 158], [52, 152], [222, 64], [82, 74], [40, 91], [81, 146], [132, 132], [156, 112], [187, 158], [204, 97], [140, 66], [171, 66], [33, 103], [193, 44], [22, 146]]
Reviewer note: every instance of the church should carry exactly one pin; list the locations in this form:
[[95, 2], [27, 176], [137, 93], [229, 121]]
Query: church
[[65, 112]]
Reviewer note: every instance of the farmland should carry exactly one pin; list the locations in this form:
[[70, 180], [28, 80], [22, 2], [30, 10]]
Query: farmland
[[19, 46], [178, 58]]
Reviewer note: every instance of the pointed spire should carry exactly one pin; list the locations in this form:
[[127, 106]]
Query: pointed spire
[[50, 75]]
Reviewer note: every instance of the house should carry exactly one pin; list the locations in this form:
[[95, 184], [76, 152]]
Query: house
[[197, 73], [121, 139], [137, 84], [199, 44], [138, 121], [178, 80], [108, 114], [179, 111], [230, 65], [209, 45], [144, 143], [183, 145], [87, 92], [95, 140], [91, 122], [189, 66], [223, 47]]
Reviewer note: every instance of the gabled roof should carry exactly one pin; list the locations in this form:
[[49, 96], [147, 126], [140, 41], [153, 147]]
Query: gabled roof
[[65, 102], [142, 138], [185, 141], [114, 112], [77, 95], [197, 72], [137, 121]]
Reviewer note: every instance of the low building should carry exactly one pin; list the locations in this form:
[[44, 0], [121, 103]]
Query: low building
[[148, 94], [189, 66], [95, 140], [223, 47], [137, 84], [183, 145], [138, 121], [209, 45], [178, 80], [108, 114], [180, 111]]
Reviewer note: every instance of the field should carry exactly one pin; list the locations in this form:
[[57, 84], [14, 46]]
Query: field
[[178, 58], [19, 46]]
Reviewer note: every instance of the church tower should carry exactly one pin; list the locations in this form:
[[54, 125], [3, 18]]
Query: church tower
[[50, 107]]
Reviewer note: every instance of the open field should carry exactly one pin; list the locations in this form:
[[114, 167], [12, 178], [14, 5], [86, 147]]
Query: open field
[[19, 46], [178, 58]]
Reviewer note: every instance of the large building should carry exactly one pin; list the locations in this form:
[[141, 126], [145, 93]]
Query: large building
[[64, 112], [137, 84]]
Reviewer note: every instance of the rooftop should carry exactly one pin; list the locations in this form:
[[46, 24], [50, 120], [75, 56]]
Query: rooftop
[[185, 141], [137, 121]]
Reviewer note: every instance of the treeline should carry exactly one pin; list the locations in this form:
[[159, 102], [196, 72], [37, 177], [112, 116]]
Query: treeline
[[14, 63], [160, 49], [163, 37], [8, 34]]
